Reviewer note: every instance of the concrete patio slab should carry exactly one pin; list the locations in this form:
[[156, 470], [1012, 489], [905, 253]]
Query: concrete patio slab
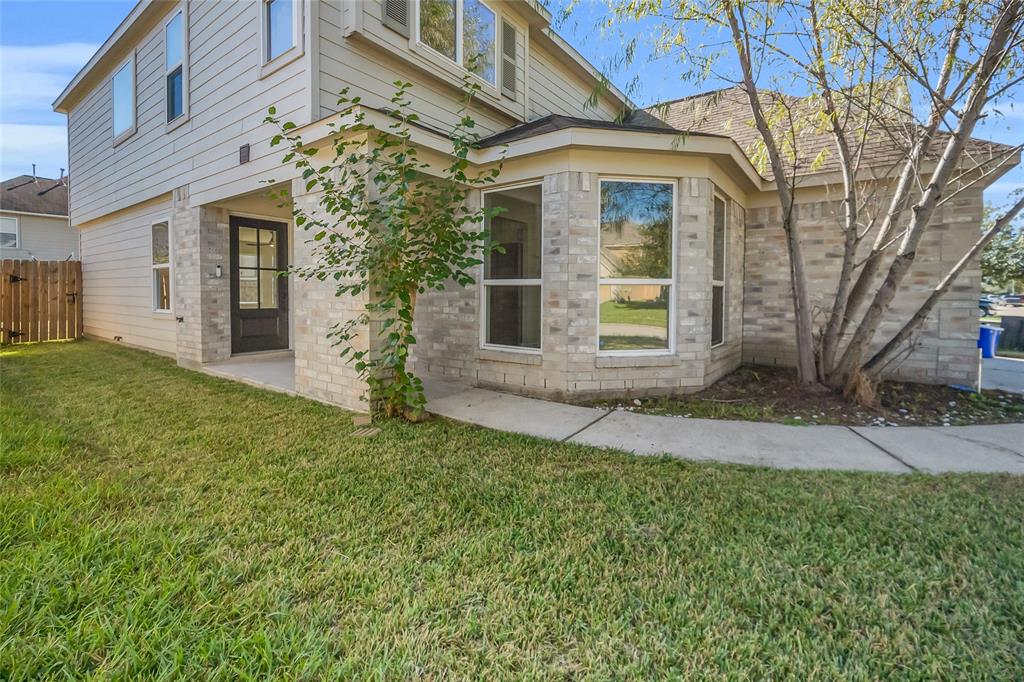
[[273, 371], [939, 449], [761, 444], [507, 412]]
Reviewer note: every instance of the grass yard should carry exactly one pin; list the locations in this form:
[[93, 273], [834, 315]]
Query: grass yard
[[156, 522], [646, 313]]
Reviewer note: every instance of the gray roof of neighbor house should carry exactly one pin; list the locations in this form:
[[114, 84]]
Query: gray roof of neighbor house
[[553, 122], [727, 112], [27, 194]]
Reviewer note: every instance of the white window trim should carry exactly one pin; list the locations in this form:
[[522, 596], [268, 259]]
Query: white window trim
[[119, 138], [169, 265], [268, 65], [538, 282], [613, 281], [17, 231], [184, 115], [725, 264], [492, 88]]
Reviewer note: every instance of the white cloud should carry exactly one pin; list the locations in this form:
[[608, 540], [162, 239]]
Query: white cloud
[[33, 75], [22, 144]]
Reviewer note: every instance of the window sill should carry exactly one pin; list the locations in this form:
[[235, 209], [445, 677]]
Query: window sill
[[660, 360], [176, 123], [124, 137], [163, 314], [512, 355], [280, 61]]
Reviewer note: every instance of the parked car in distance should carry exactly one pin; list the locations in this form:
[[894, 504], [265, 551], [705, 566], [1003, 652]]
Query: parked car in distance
[[988, 302], [1010, 299]]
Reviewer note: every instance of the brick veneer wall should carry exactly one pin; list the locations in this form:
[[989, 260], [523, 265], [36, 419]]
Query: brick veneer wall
[[945, 349], [202, 301], [448, 322]]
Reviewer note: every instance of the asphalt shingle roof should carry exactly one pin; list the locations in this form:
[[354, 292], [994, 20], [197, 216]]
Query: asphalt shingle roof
[[34, 195]]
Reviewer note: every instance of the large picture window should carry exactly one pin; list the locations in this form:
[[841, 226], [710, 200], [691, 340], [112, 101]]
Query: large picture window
[[174, 65], [161, 241], [512, 275], [718, 273], [122, 87], [635, 291], [464, 31]]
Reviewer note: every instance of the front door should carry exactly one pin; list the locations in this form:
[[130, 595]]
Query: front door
[[259, 296]]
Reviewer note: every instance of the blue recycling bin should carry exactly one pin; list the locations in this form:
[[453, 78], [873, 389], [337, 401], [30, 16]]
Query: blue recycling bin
[[988, 340]]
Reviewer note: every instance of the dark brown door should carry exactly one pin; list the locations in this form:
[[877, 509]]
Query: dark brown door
[[259, 296]]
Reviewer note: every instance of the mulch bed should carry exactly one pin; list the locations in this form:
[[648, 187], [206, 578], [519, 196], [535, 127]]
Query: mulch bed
[[772, 394]]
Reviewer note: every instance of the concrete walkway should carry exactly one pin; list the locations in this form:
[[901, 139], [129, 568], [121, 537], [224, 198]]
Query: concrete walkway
[[901, 449], [1006, 374]]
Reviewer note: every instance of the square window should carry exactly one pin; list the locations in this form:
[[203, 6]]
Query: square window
[[513, 316], [634, 317], [9, 232]]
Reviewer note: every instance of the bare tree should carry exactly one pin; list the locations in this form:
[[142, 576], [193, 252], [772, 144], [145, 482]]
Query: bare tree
[[912, 77]]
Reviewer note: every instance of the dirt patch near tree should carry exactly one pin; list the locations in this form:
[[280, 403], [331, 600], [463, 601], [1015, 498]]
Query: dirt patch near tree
[[772, 394]]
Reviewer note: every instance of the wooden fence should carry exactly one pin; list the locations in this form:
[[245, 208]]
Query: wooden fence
[[40, 300]]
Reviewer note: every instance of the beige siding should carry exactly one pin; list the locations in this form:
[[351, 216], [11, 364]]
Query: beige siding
[[554, 89], [117, 276], [227, 104], [42, 238]]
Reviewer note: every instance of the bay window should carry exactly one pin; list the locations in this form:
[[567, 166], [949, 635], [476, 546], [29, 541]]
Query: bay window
[[718, 273], [161, 259], [512, 274], [636, 246], [464, 31]]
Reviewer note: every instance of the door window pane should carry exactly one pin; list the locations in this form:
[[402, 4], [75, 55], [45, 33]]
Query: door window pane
[[513, 316], [268, 248], [280, 32], [478, 32], [636, 230], [634, 317], [161, 247], [174, 42], [124, 101], [248, 252], [437, 25], [268, 288], [517, 230], [248, 288]]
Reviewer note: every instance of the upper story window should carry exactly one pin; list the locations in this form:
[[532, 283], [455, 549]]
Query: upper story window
[[278, 28], [174, 65], [464, 31], [635, 291], [122, 87], [9, 232]]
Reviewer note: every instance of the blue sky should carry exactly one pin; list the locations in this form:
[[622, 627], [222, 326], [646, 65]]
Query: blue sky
[[43, 43]]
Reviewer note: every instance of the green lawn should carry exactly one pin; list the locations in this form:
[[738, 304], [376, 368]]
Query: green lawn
[[156, 522], [650, 314]]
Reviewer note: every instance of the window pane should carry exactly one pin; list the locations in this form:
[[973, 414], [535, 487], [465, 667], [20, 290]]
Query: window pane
[[9, 233], [248, 288], [280, 34], [124, 109], [161, 248], [173, 42], [718, 246], [268, 248], [175, 95], [717, 315], [248, 254], [162, 289], [513, 316], [268, 288], [634, 317], [437, 26], [518, 230], [478, 38], [636, 229]]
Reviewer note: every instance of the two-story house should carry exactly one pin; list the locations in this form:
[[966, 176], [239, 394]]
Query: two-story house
[[636, 259]]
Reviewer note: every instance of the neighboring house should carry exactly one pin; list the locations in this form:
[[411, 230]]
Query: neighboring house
[[34, 219], [635, 259]]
